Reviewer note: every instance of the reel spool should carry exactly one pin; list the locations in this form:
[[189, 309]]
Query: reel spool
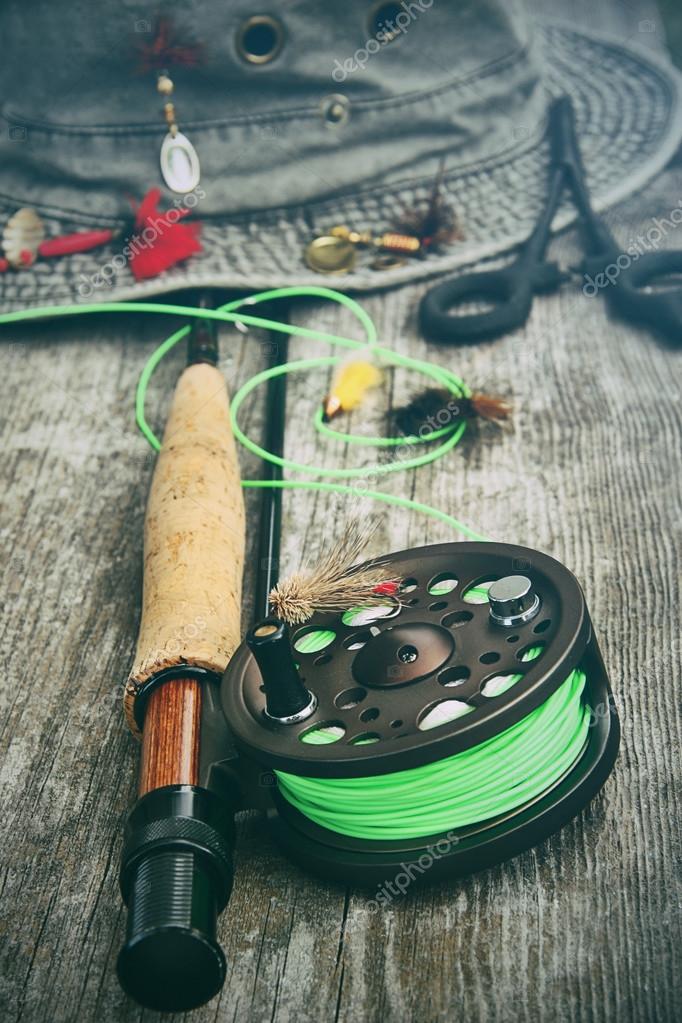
[[440, 669]]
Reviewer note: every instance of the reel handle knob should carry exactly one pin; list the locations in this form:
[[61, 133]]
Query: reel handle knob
[[513, 601], [287, 700]]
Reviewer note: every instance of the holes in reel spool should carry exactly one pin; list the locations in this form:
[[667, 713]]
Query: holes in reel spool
[[357, 616], [350, 698], [364, 739], [312, 640], [444, 582], [324, 734], [408, 654], [442, 713], [440, 605], [454, 676], [490, 657], [542, 626], [371, 714], [408, 585], [477, 593], [455, 619], [496, 685], [357, 640], [530, 652]]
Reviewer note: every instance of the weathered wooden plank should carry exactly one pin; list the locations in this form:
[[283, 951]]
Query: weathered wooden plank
[[587, 926]]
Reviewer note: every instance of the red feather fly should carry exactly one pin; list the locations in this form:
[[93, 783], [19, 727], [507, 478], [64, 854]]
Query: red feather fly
[[168, 49], [387, 589], [159, 241]]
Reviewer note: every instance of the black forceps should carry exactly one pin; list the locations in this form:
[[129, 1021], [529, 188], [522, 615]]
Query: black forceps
[[622, 277]]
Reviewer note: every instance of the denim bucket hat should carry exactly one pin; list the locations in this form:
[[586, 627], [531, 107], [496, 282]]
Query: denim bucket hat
[[303, 116]]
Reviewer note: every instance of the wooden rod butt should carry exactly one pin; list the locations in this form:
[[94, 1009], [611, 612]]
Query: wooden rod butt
[[171, 734]]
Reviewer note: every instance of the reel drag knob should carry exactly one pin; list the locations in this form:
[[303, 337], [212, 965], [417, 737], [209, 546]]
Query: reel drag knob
[[513, 601], [287, 701]]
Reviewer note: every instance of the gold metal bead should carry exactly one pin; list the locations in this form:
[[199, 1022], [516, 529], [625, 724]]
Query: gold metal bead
[[165, 85], [356, 237]]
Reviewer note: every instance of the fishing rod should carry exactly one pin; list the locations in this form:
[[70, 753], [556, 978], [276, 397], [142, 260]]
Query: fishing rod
[[176, 870]]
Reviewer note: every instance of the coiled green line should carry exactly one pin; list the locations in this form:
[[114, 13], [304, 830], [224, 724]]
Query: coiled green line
[[489, 780], [447, 437]]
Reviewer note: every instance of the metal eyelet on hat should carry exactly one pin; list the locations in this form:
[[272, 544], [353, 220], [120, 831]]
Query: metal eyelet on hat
[[382, 18], [335, 109], [260, 39]]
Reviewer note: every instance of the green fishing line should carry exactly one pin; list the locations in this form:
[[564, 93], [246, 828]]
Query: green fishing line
[[489, 780], [449, 434]]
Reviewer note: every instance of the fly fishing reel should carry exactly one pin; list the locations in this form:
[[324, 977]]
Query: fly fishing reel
[[463, 719], [457, 718]]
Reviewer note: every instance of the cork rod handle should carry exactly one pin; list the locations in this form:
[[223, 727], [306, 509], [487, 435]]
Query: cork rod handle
[[194, 538]]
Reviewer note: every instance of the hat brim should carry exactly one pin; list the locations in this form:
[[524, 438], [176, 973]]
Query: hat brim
[[628, 105]]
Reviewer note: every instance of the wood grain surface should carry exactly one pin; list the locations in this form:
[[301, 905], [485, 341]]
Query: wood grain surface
[[587, 926], [170, 740]]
